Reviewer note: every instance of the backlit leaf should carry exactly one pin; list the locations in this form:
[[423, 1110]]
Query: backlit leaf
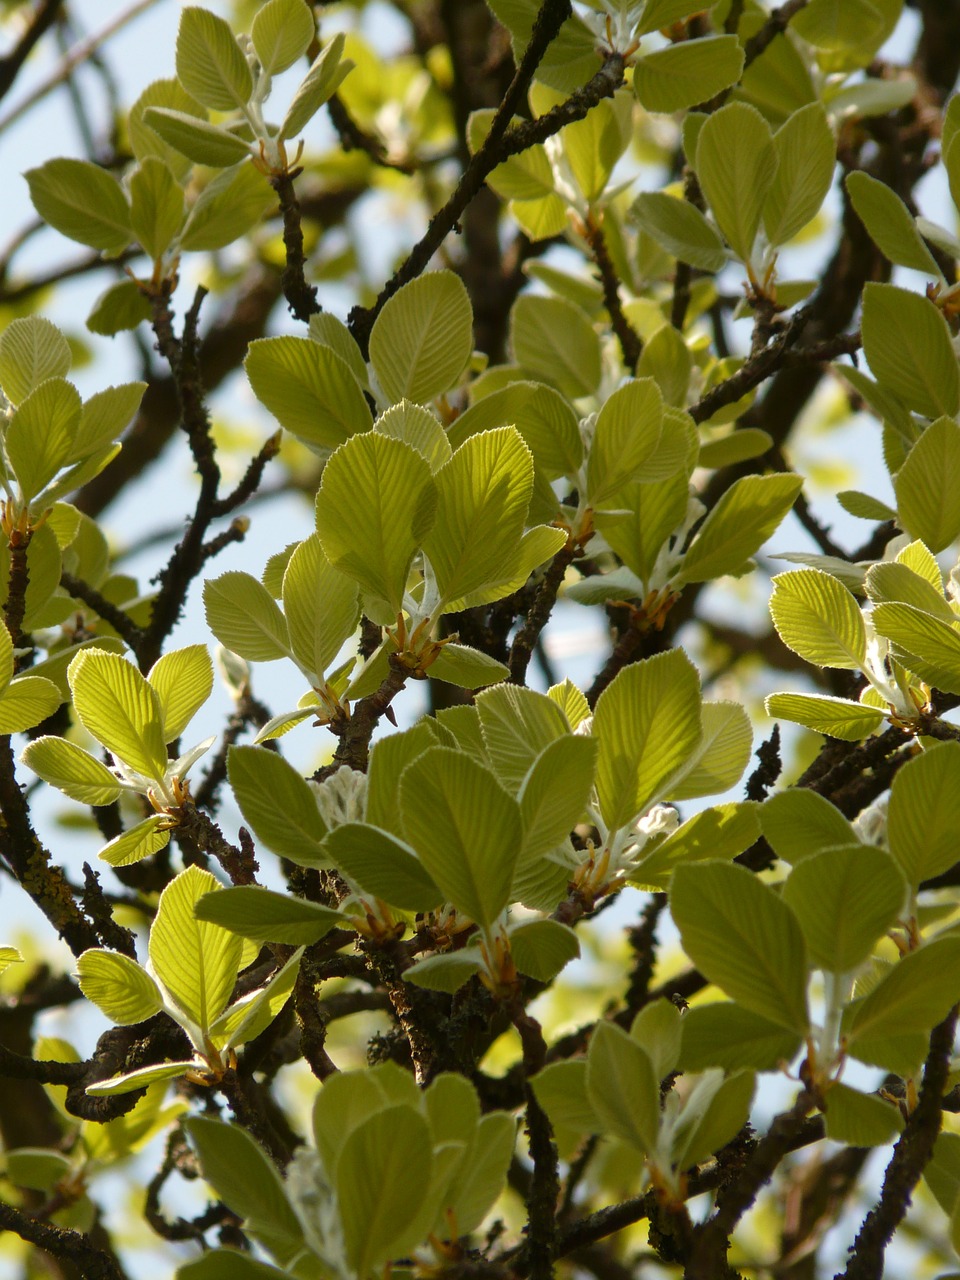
[[156, 206], [928, 486], [277, 803], [83, 202], [120, 709], [921, 816], [308, 388], [681, 229], [621, 1087], [736, 164], [907, 342], [806, 156], [281, 32], [738, 526], [723, 754], [318, 85], [819, 619], [383, 866], [71, 770], [693, 71], [118, 986], [554, 341], [836, 717], [889, 223], [31, 351], [182, 680], [423, 337], [245, 618], [210, 65], [266, 916]]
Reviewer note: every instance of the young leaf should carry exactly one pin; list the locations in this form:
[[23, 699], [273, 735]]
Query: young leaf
[[121, 306], [133, 1080], [799, 823], [281, 33], [120, 709], [553, 340], [621, 1087], [482, 1173], [31, 351], [375, 506], [156, 206], [541, 948], [278, 804], [244, 617], [321, 606], [921, 816], [555, 794], [913, 996], [196, 962], [469, 668], [648, 723], [423, 337], [39, 436], [383, 866], [744, 939], [823, 713], [105, 416], [308, 388], [318, 85], [723, 831], [629, 442], [736, 164], [517, 724], [806, 156], [414, 425], [738, 526], [265, 916], [465, 828], [681, 229], [681, 75], [928, 486], [83, 202], [229, 206], [723, 754], [860, 1119], [144, 141], [210, 65], [445, 972], [71, 770], [931, 647], [727, 1035], [137, 843], [118, 986], [714, 1112], [819, 619], [195, 138], [907, 342], [889, 223], [890, 582], [182, 680]]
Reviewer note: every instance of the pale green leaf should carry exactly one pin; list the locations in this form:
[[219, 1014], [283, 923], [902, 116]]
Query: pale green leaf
[[928, 486], [210, 65], [736, 446], [423, 338], [921, 560], [922, 813], [83, 202], [592, 146], [445, 972], [308, 388], [554, 341], [266, 916], [806, 157], [664, 13], [418, 427], [536, 547], [466, 667], [723, 754], [375, 506], [318, 85], [465, 828], [281, 32], [666, 358], [118, 986], [890, 582], [383, 866], [31, 351], [907, 343], [571, 702], [680, 228], [541, 415], [482, 1173], [693, 71], [229, 206], [889, 223], [388, 759], [629, 442], [743, 938], [278, 804], [157, 206], [823, 713], [245, 618], [818, 618], [646, 516], [555, 793], [864, 507], [722, 831], [71, 770], [132, 1080], [120, 709], [736, 165], [820, 890], [839, 25], [105, 416], [561, 1089], [860, 1119], [621, 1087], [121, 306], [915, 994], [727, 1035], [541, 948], [714, 1112], [931, 647], [137, 842], [7, 663], [39, 437], [658, 1029], [247, 1017], [517, 724], [182, 680], [737, 527], [798, 823], [331, 332], [321, 605], [195, 961], [647, 722], [144, 141]]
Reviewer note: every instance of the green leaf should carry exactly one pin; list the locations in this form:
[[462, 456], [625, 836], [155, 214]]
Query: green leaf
[[819, 619], [445, 972], [182, 680], [916, 993], [375, 506], [541, 948], [83, 202], [942, 1173], [657, 1028], [105, 416], [118, 986], [9, 956], [684, 74], [727, 1035], [920, 560], [244, 1178], [144, 141], [806, 156], [555, 794], [36, 1168], [896, 582], [423, 338], [281, 33], [229, 206], [318, 85], [860, 1119], [647, 721], [415, 426], [469, 668], [820, 889], [647, 515], [541, 415], [839, 25], [921, 816], [383, 866], [907, 342], [321, 605], [210, 65], [245, 618], [554, 341], [308, 388], [31, 351], [743, 938], [466, 829], [71, 770], [388, 759], [714, 1112], [629, 442], [889, 223], [736, 165], [723, 754], [799, 823], [621, 1087], [928, 501], [561, 1090], [571, 702], [137, 843], [133, 1080], [482, 1173], [483, 494], [120, 709], [157, 206], [663, 13], [723, 831], [382, 1179], [276, 802], [737, 527], [517, 724], [247, 1017], [228, 1264], [199, 141], [823, 713], [195, 961], [593, 145], [526, 176], [39, 437], [932, 647], [680, 228], [266, 916], [121, 306]]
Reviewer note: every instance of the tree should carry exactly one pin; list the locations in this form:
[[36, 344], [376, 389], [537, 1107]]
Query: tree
[[598, 394]]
